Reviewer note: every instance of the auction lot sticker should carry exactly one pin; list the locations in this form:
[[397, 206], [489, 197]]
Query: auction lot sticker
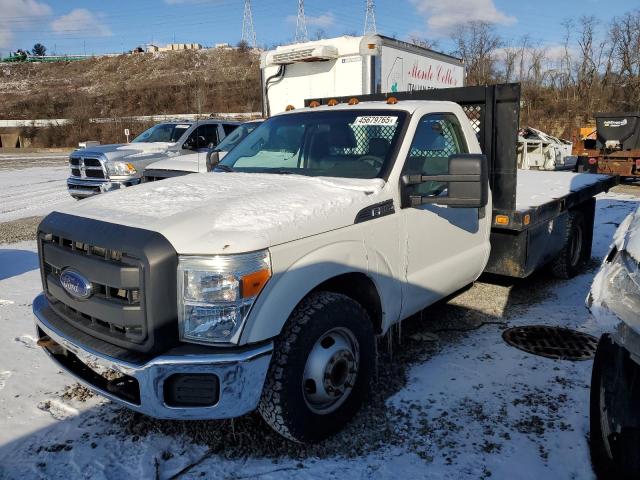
[[376, 120]]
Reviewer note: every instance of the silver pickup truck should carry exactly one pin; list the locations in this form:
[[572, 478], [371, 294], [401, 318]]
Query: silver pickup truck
[[104, 168]]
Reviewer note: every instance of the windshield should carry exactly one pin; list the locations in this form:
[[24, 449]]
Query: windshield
[[234, 137], [343, 143], [163, 132]]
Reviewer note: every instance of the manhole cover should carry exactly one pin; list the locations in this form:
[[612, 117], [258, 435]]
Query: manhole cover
[[552, 342]]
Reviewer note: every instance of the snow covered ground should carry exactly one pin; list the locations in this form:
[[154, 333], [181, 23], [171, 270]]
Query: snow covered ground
[[32, 191], [471, 406]]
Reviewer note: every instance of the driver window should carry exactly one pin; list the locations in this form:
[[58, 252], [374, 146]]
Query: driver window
[[438, 136]]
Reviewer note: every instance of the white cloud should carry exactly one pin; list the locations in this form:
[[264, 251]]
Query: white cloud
[[17, 14], [443, 16], [326, 20], [81, 21]]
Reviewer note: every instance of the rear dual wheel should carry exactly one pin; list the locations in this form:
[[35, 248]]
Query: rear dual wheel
[[574, 254], [321, 369]]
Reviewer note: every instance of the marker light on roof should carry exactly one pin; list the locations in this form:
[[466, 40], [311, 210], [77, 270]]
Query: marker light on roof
[[354, 101], [392, 101], [289, 108], [333, 102], [314, 104]]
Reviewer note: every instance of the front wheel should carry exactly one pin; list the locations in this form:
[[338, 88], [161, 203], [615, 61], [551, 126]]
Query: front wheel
[[321, 368], [615, 413]]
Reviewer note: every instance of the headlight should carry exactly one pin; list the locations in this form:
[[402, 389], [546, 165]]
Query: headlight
[[216, 293], [622, 289], [120, 169]]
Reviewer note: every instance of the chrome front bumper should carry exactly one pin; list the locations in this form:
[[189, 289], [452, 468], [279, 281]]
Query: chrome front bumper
[[240, 375], [81, 188]]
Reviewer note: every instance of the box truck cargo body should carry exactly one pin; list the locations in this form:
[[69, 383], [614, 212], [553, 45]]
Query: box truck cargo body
[[353, 66]]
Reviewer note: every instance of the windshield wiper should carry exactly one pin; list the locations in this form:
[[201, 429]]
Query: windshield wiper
[[223, 167]]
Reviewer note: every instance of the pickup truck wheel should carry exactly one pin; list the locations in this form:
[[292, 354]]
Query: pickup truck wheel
[[571, 258], [321, 368], [614, 414]]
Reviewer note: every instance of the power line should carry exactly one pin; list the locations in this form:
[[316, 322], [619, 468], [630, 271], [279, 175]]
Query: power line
[[370, 19], [301, 24], [248, 32]]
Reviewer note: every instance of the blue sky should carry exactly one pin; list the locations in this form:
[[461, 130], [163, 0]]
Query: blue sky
[[75, 26]]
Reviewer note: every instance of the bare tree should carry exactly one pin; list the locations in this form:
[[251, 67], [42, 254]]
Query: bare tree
[[423, 42], [477, 44], [625, 34]]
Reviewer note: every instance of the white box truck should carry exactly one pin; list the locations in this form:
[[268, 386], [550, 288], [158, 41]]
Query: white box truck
[[352, 66]]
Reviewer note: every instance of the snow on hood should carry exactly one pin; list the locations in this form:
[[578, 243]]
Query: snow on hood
[[131, 151], [234, 212]]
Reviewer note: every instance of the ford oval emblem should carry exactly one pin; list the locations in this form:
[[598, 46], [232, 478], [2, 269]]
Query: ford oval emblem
[[75, 284]]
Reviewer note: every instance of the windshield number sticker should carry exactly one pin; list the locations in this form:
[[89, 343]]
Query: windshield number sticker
[[182, 126], [376, 120]]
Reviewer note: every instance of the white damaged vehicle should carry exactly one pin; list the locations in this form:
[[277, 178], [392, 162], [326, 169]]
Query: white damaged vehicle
[[198, 161], [614, 301]]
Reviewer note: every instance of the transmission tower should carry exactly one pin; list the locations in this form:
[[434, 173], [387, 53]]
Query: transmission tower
[[301, 24], [370, 19], [248, 33]]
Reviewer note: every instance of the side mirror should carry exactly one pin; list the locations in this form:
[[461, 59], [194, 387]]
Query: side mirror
[[468, 183], [213, 159]]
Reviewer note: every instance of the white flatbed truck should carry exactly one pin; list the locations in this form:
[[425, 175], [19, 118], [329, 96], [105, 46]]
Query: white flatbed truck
[[263, 284]]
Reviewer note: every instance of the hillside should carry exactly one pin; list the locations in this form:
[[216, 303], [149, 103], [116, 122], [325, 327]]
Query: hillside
[[152, 83]]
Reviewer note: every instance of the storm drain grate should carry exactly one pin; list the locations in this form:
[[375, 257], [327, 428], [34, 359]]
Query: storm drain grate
[[552, 342]]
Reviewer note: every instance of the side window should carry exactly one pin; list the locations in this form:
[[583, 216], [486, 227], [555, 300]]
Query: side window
[[228, 128], [205, 136], [438, 136]]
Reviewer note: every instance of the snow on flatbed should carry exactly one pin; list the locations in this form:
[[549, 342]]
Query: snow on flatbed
[[536, 188], [475, 408]]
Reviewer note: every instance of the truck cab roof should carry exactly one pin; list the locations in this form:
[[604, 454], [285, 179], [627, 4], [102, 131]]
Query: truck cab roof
[[409, 106]]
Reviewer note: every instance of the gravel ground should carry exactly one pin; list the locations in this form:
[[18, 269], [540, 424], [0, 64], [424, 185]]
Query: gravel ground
[[19, 230]]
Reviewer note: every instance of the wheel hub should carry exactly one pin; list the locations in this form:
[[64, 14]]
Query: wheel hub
[[331, 370]]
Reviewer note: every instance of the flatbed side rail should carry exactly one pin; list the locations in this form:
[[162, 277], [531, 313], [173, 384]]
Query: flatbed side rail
[[522, 219]]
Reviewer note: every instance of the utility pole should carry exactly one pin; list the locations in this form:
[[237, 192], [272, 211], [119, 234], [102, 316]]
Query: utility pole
[[370, 19], [248, 33], [301, 24]]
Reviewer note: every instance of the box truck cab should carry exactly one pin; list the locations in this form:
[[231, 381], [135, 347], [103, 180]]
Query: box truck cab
[[352, 66]]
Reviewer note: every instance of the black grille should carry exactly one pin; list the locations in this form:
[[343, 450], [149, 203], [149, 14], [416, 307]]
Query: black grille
[[114, 308], [133, 281], [91, 166]]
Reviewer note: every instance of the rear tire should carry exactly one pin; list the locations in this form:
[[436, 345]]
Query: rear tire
[[614, 413], [573, 256], [321, 369]]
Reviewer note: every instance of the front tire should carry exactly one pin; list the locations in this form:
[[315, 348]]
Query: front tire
[[321, 369], [614, 413]]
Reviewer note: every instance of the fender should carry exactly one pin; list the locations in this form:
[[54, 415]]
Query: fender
[[289, 286]]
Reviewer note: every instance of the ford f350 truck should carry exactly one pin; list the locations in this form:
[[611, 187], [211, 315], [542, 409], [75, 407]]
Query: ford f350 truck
[[265, 283]]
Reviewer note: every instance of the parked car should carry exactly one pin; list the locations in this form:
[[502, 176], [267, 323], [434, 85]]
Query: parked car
[[615, 383], [103, 168], [264, 284], [197, 162]]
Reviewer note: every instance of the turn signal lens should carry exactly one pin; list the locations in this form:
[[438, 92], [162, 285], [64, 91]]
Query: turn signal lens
[[593, 161], [526, 219], [502, 220], [253, 283]]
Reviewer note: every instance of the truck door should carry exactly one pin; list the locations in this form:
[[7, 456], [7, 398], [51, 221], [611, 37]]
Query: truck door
[[445, 248]]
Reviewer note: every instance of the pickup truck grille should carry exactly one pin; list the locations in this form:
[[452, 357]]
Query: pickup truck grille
[[82, 167], [132, 273]]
